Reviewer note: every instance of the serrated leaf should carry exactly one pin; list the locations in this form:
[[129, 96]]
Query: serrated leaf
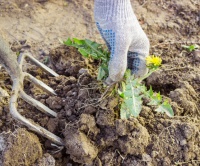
[[150, 91], [68, 42], [158, 95], [154, 101], [165, 107], [132, 103]]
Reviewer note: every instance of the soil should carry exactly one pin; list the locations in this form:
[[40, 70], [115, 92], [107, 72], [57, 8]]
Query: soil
[[90, 126], [25, 142]]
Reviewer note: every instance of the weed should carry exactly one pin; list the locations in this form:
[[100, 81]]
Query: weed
[[131, 91], [90, 49], [191, 47]]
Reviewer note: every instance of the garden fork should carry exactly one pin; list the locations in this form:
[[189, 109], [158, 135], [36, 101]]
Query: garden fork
[[14, 69]]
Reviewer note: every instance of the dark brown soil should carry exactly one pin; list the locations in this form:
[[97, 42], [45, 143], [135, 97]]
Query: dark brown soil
[[90, 125]]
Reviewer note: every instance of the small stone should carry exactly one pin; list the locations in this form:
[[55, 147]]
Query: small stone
[[146, 157], [26, 5], [154, 154], [3, 93], [183, 142], [83, 71], [197, 55]]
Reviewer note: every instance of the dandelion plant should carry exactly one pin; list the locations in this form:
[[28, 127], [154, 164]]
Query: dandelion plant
[[132, 90]]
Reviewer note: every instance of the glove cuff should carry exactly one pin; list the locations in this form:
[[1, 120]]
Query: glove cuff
[[112, 10]]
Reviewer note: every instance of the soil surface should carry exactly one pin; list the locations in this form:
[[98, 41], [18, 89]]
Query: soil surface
[[90, 126]]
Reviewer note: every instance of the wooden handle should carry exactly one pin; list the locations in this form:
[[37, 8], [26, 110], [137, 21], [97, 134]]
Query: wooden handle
[[9, 60]]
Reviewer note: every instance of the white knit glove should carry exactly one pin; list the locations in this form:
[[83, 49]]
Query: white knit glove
[[124, 37]]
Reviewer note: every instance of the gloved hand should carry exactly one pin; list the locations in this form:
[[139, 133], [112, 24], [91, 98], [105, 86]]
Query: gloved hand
[[124, 37]]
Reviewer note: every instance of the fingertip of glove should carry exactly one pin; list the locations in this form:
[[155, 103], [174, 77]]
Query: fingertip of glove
[[109, 82]]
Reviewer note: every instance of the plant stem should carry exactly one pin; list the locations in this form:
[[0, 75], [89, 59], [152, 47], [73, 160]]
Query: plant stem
[[147, 75]]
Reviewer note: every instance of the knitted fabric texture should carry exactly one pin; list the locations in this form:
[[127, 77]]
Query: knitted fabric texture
[[124, 37]]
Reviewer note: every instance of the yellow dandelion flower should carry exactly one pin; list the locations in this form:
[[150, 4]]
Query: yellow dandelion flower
[[153, 61]]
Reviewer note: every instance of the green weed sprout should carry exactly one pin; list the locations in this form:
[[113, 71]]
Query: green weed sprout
[[90, 49], [132, 91], [191, 47]]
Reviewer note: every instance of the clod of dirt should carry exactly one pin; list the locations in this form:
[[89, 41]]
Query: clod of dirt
[[186, 97], [147, 112], [83, 94], [46, 160], [52, 124], [134, 138], [23, 148], [87, 125], [67, 60], [105, 117], [54, 102], [107, 158], [112, 103], [107, 137], [85, 79], [90, 109], [153, 78], [79, 146]]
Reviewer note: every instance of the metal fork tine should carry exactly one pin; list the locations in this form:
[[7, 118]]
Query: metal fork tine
[[14, 68], [47, 69], [40, 83], [31, 125], [37, 104]]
